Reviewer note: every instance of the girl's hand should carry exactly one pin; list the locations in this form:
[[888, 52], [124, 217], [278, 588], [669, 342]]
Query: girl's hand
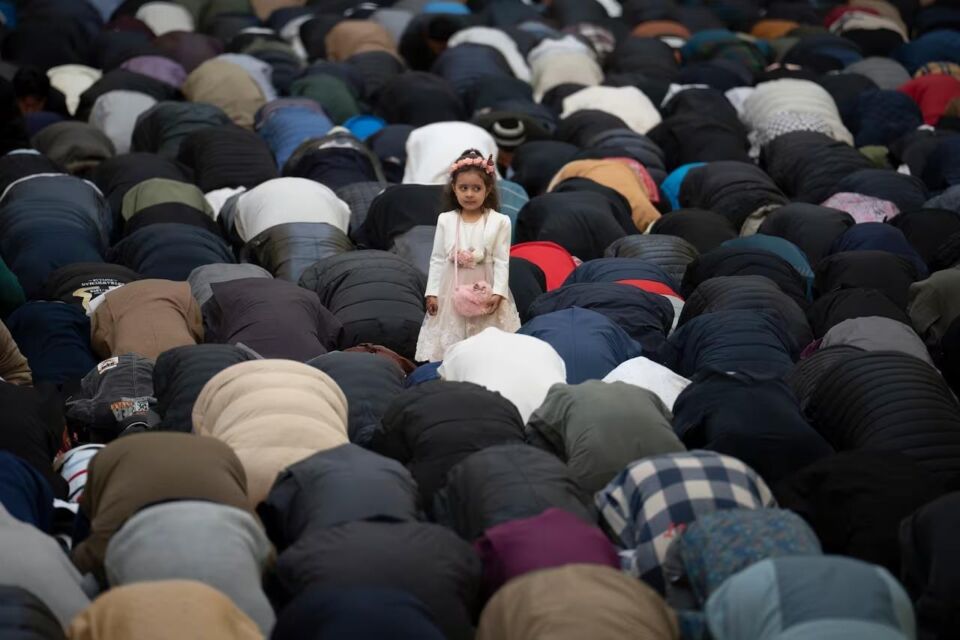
[[432, 305]]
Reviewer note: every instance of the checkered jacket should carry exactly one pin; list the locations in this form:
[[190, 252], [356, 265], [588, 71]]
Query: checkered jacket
[[650, 502]]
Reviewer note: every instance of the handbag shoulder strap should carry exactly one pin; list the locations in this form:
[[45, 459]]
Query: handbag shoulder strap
[[456, 255]]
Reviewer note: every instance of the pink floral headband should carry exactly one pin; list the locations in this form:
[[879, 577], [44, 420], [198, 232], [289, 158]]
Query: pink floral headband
[[480, 163]]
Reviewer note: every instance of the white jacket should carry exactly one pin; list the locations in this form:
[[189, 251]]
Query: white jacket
[[431, 150], [520, 368], [496, 236], [283, 200], [627, 103]]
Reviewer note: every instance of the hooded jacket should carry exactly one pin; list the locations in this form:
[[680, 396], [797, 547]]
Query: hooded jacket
[[426, 560], [328, 613], [754, 419], [877, 334], [163, 128], [809, 165], [590, 344], [705, 230], [743, 292], [650, 499], [435, 425], [344, 484], [620, 177], [583, 223], [506, 482], [520, 368], [272, 413], [369, 382], [55, 338], [746, 341], [284, 200], [35, 562], [577, 601], [275, 318], [933, 304], [228, 551], [670, 253], [736, 261], [153, 610], [646, 317], [844, 304], [598, 427], [926, 544], [180, 374], [226, 85], [135, 471], [146, 317], [920, 415], [878, 270], [49, 221], [718, 545], [735, 190], [553, 538], [376, 295], [80, 284], [811, 596]]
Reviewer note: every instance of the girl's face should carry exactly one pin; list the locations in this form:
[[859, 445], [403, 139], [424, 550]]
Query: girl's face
[[471, 191]]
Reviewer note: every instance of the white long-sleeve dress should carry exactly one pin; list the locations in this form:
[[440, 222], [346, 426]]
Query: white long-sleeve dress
[[489, 240]]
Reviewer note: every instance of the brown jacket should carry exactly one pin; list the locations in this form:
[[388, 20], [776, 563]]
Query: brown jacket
[[619, 177], [144, 469], [351, 37], [146, 317], [13, 366], [577, 602]]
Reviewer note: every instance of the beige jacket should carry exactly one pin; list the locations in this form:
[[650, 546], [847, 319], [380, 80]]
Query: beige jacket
[[619, 177], [272, 413], [577, 602], [228, 86], [350, 37], [146, 317]]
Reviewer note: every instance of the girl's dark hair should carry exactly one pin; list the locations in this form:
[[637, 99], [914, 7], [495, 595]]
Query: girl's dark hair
[[449, 197]]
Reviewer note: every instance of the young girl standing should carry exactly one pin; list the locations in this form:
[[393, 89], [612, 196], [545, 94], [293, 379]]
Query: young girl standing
[[470, 259]]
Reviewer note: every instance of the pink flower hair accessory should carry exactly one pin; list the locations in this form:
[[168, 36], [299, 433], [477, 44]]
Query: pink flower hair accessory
[[487, 165]]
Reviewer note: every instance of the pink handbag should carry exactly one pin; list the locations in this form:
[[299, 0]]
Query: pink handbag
[[470, 300]]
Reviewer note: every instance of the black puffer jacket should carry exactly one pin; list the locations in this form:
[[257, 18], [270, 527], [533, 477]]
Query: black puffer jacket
[[504, 483], [397, 210], [369, 382], [833, 308], [855, 501], [808, 165], [738, 261], [757, 293], [227, 156], [889, 401], [333, 487], [670, 253], [705, 230], [755, 420], [806, 374], [584, 223], [377, 296], [880, 270], [80, 283], [435, 425], [732, 189], [180, 374], [750, 342], [427, 560], [812, 228], [170, 250], [162, 128], [287, 250], [928, 548]]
